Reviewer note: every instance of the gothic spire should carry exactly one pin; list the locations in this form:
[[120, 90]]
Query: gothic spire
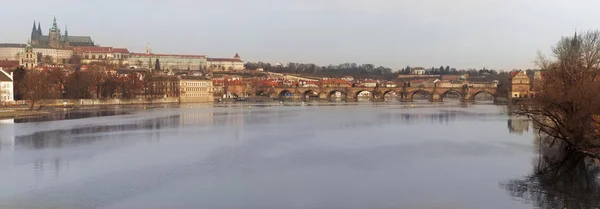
[[54, 25], [39, 30], [33, 31]]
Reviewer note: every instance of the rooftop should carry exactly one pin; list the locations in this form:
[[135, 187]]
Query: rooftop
[[4, 76], [189, 77], [9, 63], [167, 55], [8, 45]]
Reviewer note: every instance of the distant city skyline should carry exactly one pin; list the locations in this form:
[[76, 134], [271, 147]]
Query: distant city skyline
[[460, 33]]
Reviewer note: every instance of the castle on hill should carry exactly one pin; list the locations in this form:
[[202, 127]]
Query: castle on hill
[[55, 39]]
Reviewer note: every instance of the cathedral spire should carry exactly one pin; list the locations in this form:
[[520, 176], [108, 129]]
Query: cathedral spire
[[54, 25], [39, 30], [33, 31]]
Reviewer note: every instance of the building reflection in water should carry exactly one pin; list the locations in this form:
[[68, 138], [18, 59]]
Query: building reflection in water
[[86, 135], [560, 179], [190, 118], [518, 124], [442, 117], [7, 135], [72, 114]]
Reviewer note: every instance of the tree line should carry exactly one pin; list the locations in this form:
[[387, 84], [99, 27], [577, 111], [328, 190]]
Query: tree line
[[345, 69], [366, 70], [96, 82]]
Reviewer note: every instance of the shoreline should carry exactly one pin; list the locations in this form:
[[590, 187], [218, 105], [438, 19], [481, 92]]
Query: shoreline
[[11, 114]]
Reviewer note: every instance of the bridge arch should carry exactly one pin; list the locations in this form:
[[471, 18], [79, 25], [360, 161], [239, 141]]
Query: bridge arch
[[263, 93], [310, 94], [444, 94], [420, 91], [364, 93], [483, 92], [283, 94], [335, 93], [388, 94], [391, 91]]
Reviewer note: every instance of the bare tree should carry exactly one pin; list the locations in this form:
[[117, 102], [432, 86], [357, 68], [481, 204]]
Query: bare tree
[[57, 79], [139, 63], [35, 87], [47, 60], [566, 107], [560, 179], [97, 76]]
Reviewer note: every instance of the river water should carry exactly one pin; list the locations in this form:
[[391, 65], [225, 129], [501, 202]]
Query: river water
[[266, 156]]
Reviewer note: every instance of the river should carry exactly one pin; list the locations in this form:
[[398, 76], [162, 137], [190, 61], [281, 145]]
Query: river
[[266, 156]]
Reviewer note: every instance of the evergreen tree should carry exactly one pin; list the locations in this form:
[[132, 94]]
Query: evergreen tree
[[157, 65]]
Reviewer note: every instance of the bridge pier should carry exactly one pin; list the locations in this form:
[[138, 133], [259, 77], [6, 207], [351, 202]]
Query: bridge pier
[[435, 97]]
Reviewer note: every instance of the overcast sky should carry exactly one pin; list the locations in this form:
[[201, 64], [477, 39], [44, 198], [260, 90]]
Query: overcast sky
[[499, 34]]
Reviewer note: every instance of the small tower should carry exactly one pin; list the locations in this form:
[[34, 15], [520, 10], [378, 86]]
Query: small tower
[[29, 58], [66, 39], [148, 49], [236, 56]]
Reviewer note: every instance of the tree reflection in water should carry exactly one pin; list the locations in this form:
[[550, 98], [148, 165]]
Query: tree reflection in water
[[561, 178]]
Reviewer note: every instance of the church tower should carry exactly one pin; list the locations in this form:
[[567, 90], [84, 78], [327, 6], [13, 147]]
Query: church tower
[[54, 35], [29, 58], [66, 39], [39, 31], [34, 32], [148, 49]]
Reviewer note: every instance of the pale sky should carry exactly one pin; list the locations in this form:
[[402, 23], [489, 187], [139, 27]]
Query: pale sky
[[499, 34]]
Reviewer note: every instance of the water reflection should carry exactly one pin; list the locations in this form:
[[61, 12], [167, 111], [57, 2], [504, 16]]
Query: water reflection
[[560, 179], [441, 117], [192, 118], [84, 135], [518, 124], [72, 114], [7, 134]]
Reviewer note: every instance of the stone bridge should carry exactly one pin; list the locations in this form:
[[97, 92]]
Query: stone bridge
[[436, 93]]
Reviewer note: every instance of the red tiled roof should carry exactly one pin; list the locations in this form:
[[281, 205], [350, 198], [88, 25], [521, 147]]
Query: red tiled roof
[[4, 76], [120, 50], [167, 55], [9, 63], [334, 81], [235, 82]]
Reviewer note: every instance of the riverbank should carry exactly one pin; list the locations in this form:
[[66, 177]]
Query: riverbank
[[7, 114]]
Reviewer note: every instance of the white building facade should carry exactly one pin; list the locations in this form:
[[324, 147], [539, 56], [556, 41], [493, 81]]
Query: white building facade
[[196, 89], [11, 51], [226, 64], [112, 55], [6, 86], [167, 61]]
